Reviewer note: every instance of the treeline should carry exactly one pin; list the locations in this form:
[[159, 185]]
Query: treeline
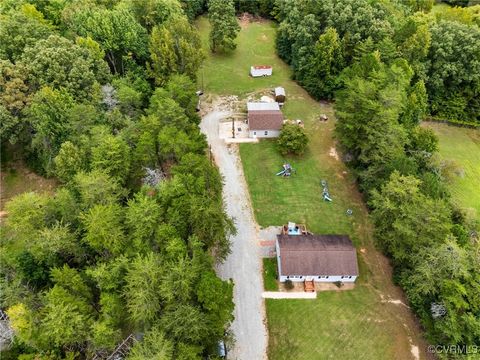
[[387, 64], [320, 39], [101, 95]]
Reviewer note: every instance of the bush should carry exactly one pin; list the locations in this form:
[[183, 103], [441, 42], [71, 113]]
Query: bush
[[292, 140], [338, 284], [289, 284]]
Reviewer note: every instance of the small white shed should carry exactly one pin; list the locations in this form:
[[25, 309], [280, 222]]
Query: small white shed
[[280, 95], [260, 70]]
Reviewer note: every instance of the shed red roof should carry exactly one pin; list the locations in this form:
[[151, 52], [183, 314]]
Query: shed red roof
[[262, 67]]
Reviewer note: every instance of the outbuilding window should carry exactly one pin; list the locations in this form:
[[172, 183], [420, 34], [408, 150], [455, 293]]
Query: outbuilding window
[[266, 132]]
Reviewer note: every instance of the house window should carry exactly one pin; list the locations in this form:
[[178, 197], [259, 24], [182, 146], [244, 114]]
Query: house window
[[266, 132], [254, 133], [301, 276], [288, 276], [349, 277], [326, 277]]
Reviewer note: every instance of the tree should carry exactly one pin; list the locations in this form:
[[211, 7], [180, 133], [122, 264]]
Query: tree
[[182, 89], [416, 105], [67, 318], [454, 74], [413, 39], [406, 220], [14, 90], [8, 126], [292, 140], [68, 162], [142, 217], [117, 31], [154, 346], [112, 155], [215, 295], [150, 13], [193, 8], [96, 187], [142, 288], [26, 214], [20, 29], [321, 71], [225, 28], [175, 48], [104, 230], [48, 116], [368, 110], [58, 63], [185, 323], [130, 100]]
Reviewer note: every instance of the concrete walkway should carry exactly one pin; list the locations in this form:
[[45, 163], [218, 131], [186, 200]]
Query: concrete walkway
[[289, 295], [244, 264]]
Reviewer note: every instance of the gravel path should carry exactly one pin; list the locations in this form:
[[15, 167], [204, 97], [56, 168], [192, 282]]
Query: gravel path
[[244, 263]]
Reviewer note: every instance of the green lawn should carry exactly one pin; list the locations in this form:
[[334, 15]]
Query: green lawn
[[270, 274], [462, 145], [337, 325]]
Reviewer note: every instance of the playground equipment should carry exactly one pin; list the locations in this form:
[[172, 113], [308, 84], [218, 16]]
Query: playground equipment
[[287, 170], [326, 194]]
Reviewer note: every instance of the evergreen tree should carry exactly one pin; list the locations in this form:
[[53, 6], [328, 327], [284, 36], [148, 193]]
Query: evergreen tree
[[225, 28]]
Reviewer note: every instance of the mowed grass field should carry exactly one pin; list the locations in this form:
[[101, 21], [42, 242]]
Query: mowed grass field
[[462, 145], [358, 324]]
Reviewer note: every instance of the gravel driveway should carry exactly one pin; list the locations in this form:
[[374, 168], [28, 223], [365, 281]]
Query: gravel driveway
[[244, 263]]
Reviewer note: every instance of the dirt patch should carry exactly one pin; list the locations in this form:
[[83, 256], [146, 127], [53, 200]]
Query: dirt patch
[[230, 104], [333, 153], [415, 351], [245, 19], [17, 179]]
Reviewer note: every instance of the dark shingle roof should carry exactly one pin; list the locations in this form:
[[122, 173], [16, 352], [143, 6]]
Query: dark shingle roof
[[317, 255], [265, 119]]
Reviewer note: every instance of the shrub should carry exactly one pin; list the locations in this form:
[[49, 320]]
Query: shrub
[[292, 140], [289, 284]]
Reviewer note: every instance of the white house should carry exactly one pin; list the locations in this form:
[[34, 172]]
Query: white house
[[260, 70], [321, 258], [265, 120]]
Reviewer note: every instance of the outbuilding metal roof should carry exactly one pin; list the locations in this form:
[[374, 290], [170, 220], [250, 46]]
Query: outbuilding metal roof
[[262, 106]]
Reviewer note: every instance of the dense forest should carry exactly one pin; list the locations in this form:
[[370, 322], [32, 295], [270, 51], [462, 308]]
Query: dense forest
[[101, 95], [387, 65]]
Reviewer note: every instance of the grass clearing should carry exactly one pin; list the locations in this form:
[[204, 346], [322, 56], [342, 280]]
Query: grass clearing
[[462, 145], [357, 324]]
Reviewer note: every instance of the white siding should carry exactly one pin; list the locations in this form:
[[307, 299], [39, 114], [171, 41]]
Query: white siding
[[260, 72], [331, 278], [261, 133]]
